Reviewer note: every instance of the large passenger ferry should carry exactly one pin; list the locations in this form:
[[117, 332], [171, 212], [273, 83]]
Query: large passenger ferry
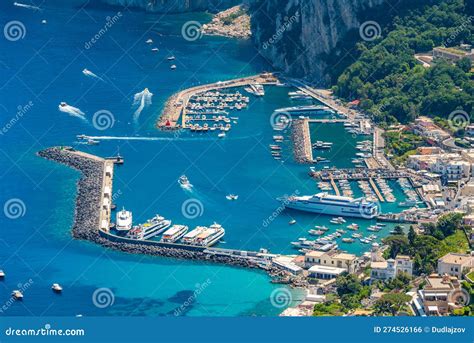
[[304, 109], [325, 203], [190, 237], [123, 220], [210, 236], [204, 236], [174, 233], [151, 228]]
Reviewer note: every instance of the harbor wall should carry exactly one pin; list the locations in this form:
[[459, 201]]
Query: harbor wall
[[87, 217], [301, 137]]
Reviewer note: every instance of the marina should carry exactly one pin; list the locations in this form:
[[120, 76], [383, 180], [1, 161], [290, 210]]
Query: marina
[[177, 106]]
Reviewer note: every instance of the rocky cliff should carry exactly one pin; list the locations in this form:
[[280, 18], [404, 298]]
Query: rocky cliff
[[297, 35]]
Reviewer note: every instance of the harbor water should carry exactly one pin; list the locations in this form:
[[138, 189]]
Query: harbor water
[[44, 69]]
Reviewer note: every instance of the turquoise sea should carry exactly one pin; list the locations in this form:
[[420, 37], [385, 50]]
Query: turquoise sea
[[44, 68]]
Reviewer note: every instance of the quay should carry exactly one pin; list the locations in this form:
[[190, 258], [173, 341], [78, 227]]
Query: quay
[[356, 174], [175, 107], [301, 138], [334, 186], [376, 189], [92, 220], [327, 120]]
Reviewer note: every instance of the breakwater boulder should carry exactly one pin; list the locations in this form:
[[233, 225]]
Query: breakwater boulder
[[89, 188]]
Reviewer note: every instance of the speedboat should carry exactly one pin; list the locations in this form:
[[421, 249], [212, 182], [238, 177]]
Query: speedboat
[[155, 49], [221, 135], [17, 295], [183, 181], [56, 288], [63, 104], [149, 41], [173, 67], [292, 222], [2, 274], [170, 58], [92, 142], [232, 197]]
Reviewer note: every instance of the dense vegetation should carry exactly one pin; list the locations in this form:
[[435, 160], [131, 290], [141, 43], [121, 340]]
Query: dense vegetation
[[439, 239], [392, 85]]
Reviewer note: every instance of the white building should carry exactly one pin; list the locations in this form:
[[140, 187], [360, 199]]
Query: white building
[[389, 269], [342, 260], [455, 264], [452, 166]]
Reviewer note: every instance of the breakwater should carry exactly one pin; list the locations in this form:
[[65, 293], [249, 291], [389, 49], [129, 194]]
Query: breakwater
[[175, 107], [301, 138], [89, 186], [87, 221]]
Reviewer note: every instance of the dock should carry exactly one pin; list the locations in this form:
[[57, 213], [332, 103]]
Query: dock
[[376, 190], [175, 108], [301, 137], [356, 174], [92, 220], [334, 186]]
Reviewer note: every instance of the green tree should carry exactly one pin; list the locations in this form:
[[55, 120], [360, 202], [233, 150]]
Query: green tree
[[398, 244], [391, 303], [464, 64], [411, 235]]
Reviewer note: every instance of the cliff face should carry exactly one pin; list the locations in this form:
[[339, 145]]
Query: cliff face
[[294, 35], [174, 6]]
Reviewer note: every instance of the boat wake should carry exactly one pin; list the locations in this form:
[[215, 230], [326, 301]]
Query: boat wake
[[30, 7], [71, 110], [166, 139], [88, 73], [141, 100]]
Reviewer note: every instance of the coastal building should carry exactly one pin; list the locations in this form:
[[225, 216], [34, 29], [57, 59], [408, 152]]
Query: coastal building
[[452, 166], [287, 264], [454, 264], [333, 259], [435, 295], [389, 269], [426, 128], [454, 53]]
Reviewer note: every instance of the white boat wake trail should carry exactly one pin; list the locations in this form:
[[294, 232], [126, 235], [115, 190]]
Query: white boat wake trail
[[30, 7], [183, 139], [142, 100], [73, 111], [87, 72]]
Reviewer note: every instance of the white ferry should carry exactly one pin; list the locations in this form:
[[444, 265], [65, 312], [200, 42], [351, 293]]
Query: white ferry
[[303, 109], [190, 237], [324, 203], [210, 236], [151, 228], [123, 220], [174, 233]]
